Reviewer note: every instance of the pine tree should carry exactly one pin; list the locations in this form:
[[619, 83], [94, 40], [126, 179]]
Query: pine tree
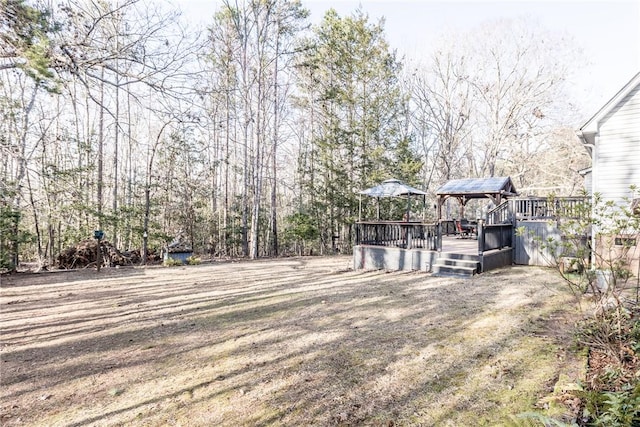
[[357, 106]]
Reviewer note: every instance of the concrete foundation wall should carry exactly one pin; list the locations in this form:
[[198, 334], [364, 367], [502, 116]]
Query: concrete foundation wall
[[395, 259], [398, 259]]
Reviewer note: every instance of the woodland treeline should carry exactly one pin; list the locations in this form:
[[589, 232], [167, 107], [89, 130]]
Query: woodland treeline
[[252, 136]]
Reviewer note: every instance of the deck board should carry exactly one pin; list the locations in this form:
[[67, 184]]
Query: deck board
[[459, 246]]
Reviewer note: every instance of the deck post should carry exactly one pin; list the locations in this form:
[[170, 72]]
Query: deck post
[[511, 209], [480, 237]]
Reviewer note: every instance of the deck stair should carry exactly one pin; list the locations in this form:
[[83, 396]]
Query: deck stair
[[452, 264]]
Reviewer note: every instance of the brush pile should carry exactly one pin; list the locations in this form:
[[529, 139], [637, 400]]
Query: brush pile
[[85, 254]]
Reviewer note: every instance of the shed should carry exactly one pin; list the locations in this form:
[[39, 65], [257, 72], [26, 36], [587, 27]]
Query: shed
[[497, 189], [179, 250]]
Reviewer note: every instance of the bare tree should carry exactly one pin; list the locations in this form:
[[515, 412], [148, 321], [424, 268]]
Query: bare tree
[[441, 100], [520, 74], [491, 101], [251, 46], [92, 53]]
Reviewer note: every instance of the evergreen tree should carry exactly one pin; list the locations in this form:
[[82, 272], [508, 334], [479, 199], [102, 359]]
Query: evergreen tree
[[25, 39], [350, 75]]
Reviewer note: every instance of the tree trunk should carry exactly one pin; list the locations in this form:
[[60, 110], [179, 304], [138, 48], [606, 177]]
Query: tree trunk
[[100, 153], [114, 207], [22, 172], [274, 153], [147, 195]]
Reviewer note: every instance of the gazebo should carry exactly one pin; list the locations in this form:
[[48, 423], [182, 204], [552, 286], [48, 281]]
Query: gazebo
[[417, 245], [391, 188], [497, 189]]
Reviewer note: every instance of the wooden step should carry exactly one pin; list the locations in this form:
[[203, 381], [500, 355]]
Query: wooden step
[[451, 270], [456, 265], [460, 256], [457, 262]]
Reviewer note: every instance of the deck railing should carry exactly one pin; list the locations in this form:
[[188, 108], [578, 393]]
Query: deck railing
[[495, 232], [406, 235], [536, 209], [545, 209], [501, 214]]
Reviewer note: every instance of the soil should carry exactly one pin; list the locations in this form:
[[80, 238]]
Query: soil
[[294, 341]]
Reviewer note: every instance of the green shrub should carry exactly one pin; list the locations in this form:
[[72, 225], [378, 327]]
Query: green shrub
[[170, 262], [194, 260], [613, 409], [612, 395]]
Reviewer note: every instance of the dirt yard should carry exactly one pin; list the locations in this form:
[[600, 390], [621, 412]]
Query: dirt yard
[[299, 341]]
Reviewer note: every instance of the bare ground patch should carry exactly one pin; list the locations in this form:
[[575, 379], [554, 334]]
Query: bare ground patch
[[300, 341]]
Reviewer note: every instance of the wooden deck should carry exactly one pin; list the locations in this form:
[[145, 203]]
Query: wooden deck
[[452, 244], [372, 257], [415, 246]]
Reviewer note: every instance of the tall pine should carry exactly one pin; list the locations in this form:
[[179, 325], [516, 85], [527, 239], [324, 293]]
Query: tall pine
[[354, 107]]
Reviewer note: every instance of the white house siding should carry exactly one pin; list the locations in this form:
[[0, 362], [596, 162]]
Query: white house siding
[[618, 149], [588, 182]]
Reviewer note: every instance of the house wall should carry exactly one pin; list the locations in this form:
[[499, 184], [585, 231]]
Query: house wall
[[611, 251], [588, 182], [618, 149]]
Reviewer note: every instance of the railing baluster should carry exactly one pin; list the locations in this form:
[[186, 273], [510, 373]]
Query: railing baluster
[[400, 234]]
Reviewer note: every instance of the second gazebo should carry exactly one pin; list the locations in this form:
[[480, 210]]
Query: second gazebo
[[391, 188], [496, 189]]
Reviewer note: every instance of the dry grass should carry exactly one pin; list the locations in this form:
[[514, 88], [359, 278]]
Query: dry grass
[[301, 341]]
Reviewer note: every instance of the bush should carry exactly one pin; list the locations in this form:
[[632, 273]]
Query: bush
[[300, 232], [611, 331], [170, 262], [193, 260], [612, 408]]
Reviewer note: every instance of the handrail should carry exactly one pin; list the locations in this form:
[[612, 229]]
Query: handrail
[[534, 208], [501, 214]]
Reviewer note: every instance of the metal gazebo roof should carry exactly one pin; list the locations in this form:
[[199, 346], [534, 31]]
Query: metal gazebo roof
[[392, 188], [478, 188], [494, 188]]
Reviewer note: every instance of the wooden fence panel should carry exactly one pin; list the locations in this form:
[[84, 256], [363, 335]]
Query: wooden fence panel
[[527, 250], [494, 236]]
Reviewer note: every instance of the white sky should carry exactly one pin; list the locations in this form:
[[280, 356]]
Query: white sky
[[607, 31]]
